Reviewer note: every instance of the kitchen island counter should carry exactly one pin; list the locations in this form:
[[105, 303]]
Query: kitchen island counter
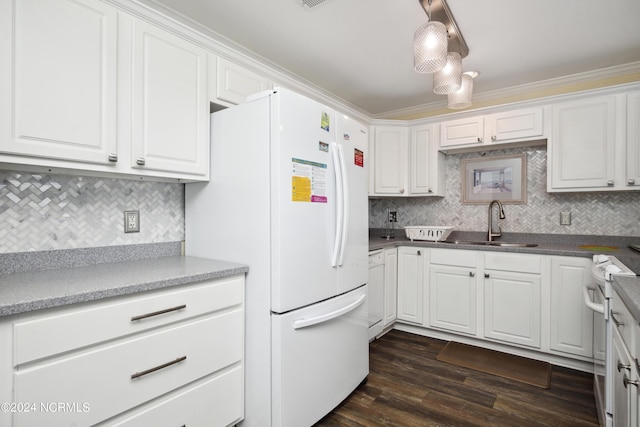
[[34, 290]]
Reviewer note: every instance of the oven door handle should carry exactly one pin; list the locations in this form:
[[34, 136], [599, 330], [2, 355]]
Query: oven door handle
[[587, 300]]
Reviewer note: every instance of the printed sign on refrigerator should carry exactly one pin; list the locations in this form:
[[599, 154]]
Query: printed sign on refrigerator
[[308, 181]]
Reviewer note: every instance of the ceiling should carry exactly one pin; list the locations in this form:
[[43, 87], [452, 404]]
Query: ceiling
[[362, 51]]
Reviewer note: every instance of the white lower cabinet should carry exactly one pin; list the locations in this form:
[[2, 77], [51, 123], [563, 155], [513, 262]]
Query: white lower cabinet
[[571, 321], [453, 285], [512, 293], [411, 283], [390, 286], [181, 364]]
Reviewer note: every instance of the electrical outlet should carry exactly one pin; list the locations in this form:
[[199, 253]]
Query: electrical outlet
[[393, 216], [565, 218], [131, 221]]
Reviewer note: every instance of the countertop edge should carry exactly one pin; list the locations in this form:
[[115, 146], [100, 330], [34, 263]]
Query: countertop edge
[[32, 291]]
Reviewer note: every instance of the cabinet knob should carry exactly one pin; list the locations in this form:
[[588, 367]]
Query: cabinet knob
[[419, 252], [430, 190], [486, 275], [113, 158], [631, 181], [401, 190], [479, 139], [610, 183], [140, 161], [472, 274], [493, 137]]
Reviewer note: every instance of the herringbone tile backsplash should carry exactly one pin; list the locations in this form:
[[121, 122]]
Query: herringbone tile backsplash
[[601, 213], [43, 212]]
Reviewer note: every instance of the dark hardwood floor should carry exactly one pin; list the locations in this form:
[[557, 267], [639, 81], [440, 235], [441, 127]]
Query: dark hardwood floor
[[408, 387]]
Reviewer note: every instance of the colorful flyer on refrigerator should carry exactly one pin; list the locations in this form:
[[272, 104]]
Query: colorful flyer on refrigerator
[[308, 181], [325, 121]]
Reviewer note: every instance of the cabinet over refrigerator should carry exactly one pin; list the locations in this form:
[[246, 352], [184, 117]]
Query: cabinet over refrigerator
[[288, 197]]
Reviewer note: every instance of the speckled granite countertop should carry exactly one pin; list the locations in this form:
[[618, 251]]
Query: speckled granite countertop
[[34, 290], [547, 244]]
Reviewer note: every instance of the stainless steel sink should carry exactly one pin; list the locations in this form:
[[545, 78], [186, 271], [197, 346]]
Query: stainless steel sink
[[487, 243]]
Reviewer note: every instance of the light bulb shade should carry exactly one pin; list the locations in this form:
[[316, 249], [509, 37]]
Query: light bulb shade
[[462, 97], [430, 43], [449, 79]]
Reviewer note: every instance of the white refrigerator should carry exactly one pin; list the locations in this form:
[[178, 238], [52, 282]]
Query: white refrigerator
[[288, 196]]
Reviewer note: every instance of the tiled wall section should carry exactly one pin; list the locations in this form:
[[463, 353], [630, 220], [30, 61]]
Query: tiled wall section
[[605, 213], [43, 212]]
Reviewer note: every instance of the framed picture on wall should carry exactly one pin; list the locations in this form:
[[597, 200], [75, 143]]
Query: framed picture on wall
[[501, 178]]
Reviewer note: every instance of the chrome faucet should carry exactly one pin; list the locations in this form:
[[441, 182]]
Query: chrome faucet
[[490, 233]]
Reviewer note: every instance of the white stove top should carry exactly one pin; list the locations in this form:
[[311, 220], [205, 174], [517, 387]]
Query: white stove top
[[604, 266]]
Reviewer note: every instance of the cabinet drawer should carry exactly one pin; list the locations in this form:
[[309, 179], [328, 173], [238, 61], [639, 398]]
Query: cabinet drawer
[[456, 257], [522, 263], [216, 401], [100, 379], [63, 329], [622, 321]]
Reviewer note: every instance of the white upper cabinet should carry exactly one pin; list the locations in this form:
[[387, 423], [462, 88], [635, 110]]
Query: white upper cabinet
[[469, 131], [58, 94], [517, 124], [170, 117], [406, 162], [497, 128], [633, 140], [426, 164], [233, 83], [582, 147], [389, 153]]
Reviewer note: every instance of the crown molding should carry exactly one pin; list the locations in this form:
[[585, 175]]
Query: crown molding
[[558, 84]]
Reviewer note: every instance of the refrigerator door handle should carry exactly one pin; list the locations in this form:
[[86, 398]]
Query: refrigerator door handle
[[303, 323], [345, 203], [339, 205]]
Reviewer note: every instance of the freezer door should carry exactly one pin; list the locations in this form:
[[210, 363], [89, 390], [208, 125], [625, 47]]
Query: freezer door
[[303, 202], [320, 355], [352, 140]]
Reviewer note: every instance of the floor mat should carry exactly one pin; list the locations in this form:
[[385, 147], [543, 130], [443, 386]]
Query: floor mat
[[517, 368]]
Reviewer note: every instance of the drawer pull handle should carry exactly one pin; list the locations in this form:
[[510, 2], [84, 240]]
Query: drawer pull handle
[[616, 321], [157, 368], [626, 381], [622, 366], [157, 313]]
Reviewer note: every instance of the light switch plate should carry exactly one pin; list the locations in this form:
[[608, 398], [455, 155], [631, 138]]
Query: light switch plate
[[131, 221], [565, 218]]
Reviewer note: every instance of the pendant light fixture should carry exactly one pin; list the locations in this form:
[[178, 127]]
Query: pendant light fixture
[[449, 79], [430, 43], [462, 97]]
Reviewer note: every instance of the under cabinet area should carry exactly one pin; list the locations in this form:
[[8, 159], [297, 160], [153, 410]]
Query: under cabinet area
[[171, 354]]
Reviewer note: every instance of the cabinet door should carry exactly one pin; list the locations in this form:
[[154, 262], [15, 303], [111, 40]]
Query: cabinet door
[[389, 161], [58, 80], [170, 124], [525, 123], [410, 283], [462, 132], [582, 146], [234, 82], [452, 298], [390, 285], [571, 320], [512, 307], [633, 139], [425, 168], [623, 394]]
